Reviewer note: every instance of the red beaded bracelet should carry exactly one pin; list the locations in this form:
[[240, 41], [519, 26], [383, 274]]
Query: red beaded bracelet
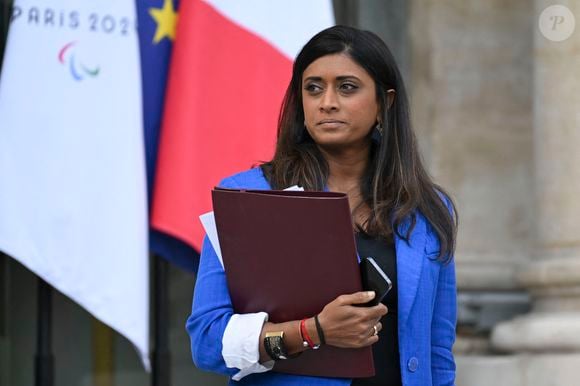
[[306, 337], [304, 342]]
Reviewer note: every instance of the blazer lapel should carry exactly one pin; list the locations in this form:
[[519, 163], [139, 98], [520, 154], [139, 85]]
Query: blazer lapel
[[409, 265]]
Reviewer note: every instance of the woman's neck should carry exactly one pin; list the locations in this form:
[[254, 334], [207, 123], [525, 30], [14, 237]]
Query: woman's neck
[[346, 168]]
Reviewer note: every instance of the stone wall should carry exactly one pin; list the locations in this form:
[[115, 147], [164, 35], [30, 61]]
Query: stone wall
[[495, 104]]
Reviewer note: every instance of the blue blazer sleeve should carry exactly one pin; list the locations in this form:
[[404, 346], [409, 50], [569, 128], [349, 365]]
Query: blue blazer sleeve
[[211, 310], [444, 320], [443, 328]]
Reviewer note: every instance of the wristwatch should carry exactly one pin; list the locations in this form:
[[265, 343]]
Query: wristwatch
[[274, 345]]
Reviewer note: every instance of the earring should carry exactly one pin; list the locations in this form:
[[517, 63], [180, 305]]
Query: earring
[[377, 135]]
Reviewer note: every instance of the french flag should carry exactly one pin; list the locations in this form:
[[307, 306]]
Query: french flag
[[231, 63]]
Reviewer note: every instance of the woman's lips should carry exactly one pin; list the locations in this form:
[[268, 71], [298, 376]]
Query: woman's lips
[[330, 123]]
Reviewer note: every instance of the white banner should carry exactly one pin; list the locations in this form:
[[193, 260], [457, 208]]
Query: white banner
[[72, 172]]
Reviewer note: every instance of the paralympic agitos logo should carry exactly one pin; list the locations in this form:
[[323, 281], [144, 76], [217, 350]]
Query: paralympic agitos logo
[[78, 70]]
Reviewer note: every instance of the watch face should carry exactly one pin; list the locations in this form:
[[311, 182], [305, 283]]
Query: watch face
[[274, 345]]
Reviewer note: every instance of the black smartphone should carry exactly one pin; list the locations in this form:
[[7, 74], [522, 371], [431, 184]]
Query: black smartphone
[[374, 279]]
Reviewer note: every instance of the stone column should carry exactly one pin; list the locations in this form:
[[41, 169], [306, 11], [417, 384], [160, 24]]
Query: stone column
[[471, 94], [552, 329]]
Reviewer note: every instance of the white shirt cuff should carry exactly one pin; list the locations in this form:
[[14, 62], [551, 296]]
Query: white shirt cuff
[[240, 344]]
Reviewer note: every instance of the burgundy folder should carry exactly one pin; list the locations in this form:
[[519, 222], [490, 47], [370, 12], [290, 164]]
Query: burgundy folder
[[289, 254]]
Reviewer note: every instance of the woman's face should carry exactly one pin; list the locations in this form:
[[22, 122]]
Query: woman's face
[[339, 102]]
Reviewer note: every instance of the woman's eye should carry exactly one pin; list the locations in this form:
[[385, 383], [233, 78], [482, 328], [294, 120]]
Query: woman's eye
[[348, 87], [313, 88]]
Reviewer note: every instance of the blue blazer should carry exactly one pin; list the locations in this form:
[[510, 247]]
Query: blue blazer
[[426, 309]]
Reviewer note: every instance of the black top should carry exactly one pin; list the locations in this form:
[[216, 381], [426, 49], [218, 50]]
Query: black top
[[386, 350]]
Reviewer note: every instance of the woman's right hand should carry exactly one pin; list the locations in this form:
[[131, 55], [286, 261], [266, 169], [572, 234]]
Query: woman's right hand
[[348, 326]]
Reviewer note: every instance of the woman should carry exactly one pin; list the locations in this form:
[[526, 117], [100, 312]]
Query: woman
[[344, 127]]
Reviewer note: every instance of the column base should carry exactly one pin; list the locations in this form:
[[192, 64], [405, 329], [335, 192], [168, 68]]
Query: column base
[[539, 332], [553, 326], [518, 370]]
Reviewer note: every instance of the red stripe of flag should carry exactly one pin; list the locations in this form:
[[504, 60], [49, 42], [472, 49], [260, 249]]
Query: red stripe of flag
[[224, 92]]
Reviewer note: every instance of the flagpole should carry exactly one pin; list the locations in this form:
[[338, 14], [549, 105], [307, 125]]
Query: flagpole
[[4, 286], [161, 356], [44, 360], [103, 354], [5, 11]]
